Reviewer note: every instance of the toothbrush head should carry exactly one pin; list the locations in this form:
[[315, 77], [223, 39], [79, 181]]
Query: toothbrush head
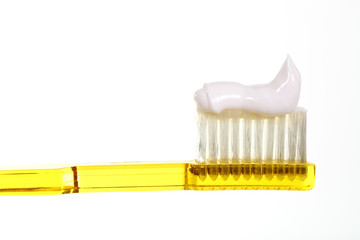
[[254, 133]]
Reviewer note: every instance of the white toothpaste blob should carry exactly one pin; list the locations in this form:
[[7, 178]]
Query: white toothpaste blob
[[277, 97]]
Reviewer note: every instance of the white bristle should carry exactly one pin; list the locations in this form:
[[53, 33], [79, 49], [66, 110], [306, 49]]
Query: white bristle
[[301, 138], [235, 136], [269, 139], [291, 137], [246, 140], [224, 139], [258, 126], [212, 138], [280, 139], [202, 127]]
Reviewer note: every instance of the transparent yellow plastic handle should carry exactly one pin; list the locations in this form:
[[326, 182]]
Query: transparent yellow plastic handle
[[156, 177]]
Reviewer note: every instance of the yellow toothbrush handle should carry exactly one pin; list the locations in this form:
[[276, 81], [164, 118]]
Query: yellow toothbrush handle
[[96, 178], [156, 177]]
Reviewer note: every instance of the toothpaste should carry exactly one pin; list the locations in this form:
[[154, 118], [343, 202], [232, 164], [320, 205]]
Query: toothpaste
[[280, 96]]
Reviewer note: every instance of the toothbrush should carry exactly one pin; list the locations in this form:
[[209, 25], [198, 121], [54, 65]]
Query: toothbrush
[[250, 137]]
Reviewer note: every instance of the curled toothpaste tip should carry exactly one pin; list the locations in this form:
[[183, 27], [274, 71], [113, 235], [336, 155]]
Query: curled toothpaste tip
[[277, 97]]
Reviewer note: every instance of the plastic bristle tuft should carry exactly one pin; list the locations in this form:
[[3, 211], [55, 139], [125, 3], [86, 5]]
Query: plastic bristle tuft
[[236, 136]]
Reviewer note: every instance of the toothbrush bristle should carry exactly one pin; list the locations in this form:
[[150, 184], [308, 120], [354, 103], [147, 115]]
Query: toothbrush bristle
[[236, 136]]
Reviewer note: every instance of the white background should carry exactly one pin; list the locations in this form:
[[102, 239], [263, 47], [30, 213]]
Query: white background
[[110, 81]]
